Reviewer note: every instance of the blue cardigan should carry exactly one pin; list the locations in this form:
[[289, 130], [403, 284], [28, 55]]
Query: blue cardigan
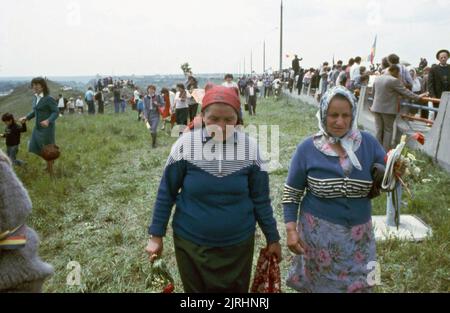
[[218, 202], [327, 193]]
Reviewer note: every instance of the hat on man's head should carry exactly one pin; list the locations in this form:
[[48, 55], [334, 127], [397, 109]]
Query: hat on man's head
[[220, 94], [440, 51]]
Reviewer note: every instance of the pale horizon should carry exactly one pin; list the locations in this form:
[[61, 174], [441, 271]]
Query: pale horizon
[[86, 38]]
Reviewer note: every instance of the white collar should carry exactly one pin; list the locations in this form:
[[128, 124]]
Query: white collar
[[41, 95]]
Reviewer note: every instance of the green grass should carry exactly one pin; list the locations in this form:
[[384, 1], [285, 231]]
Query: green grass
[[97, 210]]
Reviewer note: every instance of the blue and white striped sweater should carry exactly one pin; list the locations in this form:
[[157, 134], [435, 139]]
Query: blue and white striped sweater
[[219, 194], [317, 183]]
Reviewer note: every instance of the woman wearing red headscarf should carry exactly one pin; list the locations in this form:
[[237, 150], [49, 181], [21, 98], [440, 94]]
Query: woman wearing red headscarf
[[220, 187]]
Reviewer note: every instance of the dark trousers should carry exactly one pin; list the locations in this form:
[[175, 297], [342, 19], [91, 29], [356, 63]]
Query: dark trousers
[[12, 151], [193, 111], [252, 105], [101, 107], [116, 106], [214, 270], [267, 91], [91, 107], [182, 116]]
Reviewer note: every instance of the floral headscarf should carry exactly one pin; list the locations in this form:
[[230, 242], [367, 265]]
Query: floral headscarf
[[351, 141]]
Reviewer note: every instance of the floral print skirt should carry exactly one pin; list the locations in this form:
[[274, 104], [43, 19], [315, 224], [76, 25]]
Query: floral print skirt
[[337, 258]]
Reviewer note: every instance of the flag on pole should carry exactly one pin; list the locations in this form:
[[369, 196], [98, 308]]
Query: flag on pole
[[373, 50]]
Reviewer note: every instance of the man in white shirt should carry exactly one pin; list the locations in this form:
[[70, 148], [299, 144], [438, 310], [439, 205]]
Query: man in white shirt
[[276, 85], [61, 105], [260, 86], [250, 93], [354, 71], [229, 83], [137, 96]]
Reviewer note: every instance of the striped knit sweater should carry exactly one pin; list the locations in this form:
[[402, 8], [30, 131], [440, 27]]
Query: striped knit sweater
[[220, 191], [317, 182]]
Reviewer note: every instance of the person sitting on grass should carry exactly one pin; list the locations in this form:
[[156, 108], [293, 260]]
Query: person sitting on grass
[[12, 135]]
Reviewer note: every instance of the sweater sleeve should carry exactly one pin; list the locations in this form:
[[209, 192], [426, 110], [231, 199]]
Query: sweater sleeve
[[295, 185], [169, 187], [53, 108], [31, 115], [402, 90], [260, 195], [22, 128]]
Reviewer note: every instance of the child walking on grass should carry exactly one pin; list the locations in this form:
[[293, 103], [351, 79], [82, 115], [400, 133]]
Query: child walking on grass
[[12, 135]]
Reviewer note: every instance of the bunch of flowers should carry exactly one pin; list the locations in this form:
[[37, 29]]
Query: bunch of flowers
[[401, 168], [161, 276]]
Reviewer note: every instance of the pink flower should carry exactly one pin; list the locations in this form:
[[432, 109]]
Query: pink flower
[[358, 232], [355, 287], [343, 275], [324, 258], [359, 257], [308, 274]]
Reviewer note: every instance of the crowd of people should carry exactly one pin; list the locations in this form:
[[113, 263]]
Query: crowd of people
[[218, 202]]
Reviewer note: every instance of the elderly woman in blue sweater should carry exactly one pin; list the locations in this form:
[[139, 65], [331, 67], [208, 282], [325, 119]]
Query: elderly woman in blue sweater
[[215, 178], [330, 179]]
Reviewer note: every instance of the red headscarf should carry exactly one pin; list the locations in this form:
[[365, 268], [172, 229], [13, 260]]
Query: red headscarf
[[218, 94]]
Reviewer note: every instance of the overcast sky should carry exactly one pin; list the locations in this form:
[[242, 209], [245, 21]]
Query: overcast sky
[[114, 37]]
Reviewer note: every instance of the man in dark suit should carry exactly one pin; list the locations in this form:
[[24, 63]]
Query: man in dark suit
[[439, 76], [296, 65], [388, 89]]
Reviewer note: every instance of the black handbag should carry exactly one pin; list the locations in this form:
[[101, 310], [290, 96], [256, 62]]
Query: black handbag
[[377, 172]]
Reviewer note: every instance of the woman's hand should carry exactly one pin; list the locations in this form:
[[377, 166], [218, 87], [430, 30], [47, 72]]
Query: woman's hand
[[23, 120], [274, 249], [45, 123], [154, 248], [294, 243]]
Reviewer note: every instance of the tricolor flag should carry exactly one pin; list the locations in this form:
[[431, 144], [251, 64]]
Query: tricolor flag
[[373, 50]]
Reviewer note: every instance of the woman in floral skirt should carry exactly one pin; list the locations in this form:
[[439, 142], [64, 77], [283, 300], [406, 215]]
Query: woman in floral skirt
[[330, 180]]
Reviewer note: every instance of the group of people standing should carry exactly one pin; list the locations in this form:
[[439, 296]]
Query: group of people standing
[[218, 202]]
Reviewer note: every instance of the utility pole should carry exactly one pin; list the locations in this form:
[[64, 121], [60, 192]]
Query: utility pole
[[264, 56], [251, 62], [281, 38]]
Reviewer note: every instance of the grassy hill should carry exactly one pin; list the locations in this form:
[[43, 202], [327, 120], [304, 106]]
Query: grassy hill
[[19, 102], [97, 209]]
